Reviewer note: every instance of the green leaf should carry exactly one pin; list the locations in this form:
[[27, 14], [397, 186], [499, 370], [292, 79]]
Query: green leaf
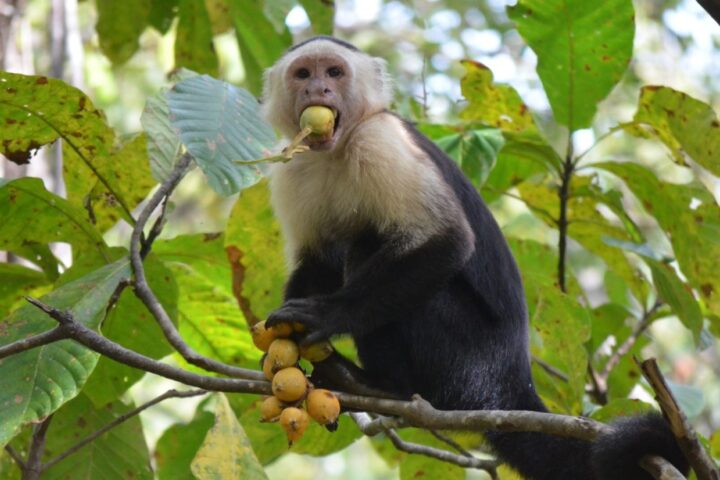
[[276, 11], [679, 296], [179, 444], [219, 12], [268, 440], [498, 106], [260, 44], [17, 281], [39, 110], [125, 170], [226, 451], [521, 157], [119, 454], [321, 14], [209, 317], [319, 442], [474, 150], [220, 124], [162, 13], [560, 326], [685, 125], [583, 49], [194, 47], [163, 142], [29, 213], [35, 383], [693, 230], [620, 407], [255, 251], [131, 324], [119, 26]]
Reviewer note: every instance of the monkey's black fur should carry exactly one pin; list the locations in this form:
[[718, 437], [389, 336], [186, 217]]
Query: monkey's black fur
[[334, 40], [447, 319]]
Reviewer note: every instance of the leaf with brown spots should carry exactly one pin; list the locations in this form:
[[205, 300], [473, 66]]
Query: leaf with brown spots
[[583, 50], [684, 124], [35, 383]]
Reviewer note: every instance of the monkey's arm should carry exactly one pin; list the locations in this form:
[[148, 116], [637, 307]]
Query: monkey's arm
[[384, 289]]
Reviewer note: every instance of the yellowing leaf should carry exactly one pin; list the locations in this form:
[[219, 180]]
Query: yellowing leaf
[[226, 453]]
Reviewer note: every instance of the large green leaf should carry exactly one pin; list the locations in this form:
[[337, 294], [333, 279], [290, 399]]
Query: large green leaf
[[255, 251], [119, 454], [209, 317], [35, 383], [194, 47], [260, 44], [583, 49], [162, 13], [413, 467], [179, 444], [693, 230], [498, 106], [226, 451], [119, 27], [130, 324], [321, 14], [560, 327], [220, 124], [681, 122], [31, 214]]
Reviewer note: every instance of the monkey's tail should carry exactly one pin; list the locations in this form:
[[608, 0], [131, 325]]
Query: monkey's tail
[[612, 456]]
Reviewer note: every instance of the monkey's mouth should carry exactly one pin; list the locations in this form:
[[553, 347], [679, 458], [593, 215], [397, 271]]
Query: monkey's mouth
[[325, 141]]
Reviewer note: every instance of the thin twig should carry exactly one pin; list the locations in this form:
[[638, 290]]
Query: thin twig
[[626, 346], [687, 440], [549, 368], [119, 420], [148, 297], [32, 342], [156, 229], [364, 422], [451, 443], [15, 456], [562, 222], [33, 465]]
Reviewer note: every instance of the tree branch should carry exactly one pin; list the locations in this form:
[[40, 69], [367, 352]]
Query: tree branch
[[564, 194], [29, 343], [451, 443], [688, 442], [121, 419], [139, 248], [15, 456], [549, 368], [33, 467]]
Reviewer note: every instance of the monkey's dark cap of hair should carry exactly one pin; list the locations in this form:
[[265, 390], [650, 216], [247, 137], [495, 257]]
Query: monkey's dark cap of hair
[[337, 41]]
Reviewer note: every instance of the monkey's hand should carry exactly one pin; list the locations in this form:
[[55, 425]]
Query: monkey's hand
[[321, 316]]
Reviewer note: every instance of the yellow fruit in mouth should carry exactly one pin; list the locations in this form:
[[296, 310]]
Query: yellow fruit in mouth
[[320, 120]]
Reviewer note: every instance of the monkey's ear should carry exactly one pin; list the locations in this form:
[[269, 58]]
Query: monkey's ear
[[384, 84]]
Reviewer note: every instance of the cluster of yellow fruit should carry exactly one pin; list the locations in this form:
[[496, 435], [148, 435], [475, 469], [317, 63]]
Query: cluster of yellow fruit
[[290, 386]]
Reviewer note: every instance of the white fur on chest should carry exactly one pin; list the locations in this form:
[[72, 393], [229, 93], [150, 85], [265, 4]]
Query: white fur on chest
[[382, 181]]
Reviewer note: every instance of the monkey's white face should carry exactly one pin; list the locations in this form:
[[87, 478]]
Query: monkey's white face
[[320, 80]]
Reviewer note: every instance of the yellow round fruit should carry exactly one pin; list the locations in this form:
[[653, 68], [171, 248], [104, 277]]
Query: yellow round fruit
[[298, 327], [316, 352], [289, 384], [323, 406], [282, 330], [294, 421], [261, 336], [267, 368], [271, 409], [319, 119], [282, 353]]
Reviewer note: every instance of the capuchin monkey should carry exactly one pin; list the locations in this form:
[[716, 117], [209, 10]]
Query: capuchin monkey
[[390, 243]]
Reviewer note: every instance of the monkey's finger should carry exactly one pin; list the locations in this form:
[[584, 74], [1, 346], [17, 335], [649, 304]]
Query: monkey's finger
[[314, 336], [290, 315]]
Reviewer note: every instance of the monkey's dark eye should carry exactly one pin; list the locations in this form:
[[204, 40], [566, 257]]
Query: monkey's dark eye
[[335, 72], [302, 73]]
